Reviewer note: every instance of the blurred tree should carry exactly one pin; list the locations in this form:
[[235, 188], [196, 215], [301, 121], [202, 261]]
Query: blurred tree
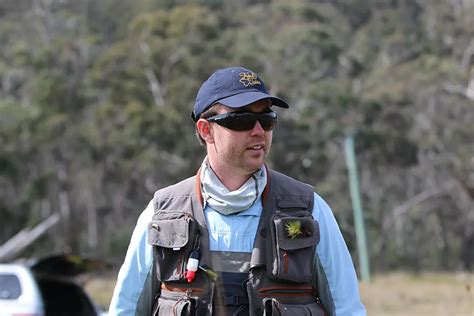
[[95, 99]]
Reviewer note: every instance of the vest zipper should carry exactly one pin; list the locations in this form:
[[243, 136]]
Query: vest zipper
[[179, 289], [285, 261], [318, 301], [181, 266]]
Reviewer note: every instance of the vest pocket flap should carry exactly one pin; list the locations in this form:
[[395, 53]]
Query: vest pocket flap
[[296, 232], [172, 233]]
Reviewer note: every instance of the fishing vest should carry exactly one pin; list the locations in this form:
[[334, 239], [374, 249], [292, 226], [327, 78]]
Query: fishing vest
[[275, 279]]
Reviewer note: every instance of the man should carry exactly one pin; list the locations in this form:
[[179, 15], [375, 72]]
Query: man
[[238, 238]]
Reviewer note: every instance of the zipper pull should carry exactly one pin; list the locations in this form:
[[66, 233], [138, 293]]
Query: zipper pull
[[285, 261]]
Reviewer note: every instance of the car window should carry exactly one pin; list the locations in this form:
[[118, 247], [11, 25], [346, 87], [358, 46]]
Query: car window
[[10, 288]]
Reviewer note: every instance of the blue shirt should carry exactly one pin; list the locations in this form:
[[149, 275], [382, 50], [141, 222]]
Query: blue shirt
[[237, 232]]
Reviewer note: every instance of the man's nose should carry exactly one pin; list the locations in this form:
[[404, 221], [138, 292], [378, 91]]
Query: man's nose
[[258, 129]]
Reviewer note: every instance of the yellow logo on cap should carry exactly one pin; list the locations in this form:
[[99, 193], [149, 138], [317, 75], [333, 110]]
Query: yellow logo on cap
[[248, 79]]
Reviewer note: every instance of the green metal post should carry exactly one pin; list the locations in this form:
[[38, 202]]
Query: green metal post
[[357, 208]]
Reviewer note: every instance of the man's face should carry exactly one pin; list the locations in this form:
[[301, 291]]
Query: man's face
[[240, 151]]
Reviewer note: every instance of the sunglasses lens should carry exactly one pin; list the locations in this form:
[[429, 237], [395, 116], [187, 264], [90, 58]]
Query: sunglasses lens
[[240, 122], [267, 122], [245, 121]]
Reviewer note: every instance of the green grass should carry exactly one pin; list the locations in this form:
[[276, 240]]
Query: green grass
[[392, 294]]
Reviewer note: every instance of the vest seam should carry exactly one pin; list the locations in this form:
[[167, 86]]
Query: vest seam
[[148, 275], [326, 283]]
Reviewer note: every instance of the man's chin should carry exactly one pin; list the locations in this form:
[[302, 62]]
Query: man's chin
[[254, 166]]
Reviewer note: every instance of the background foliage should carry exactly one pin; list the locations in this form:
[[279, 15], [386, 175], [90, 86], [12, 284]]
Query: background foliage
[[95, 99]]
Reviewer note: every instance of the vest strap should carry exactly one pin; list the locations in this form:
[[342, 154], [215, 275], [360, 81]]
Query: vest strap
[[235, 300]]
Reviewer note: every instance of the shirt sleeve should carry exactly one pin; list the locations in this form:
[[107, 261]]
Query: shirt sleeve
[[134, 290], [335, 275]]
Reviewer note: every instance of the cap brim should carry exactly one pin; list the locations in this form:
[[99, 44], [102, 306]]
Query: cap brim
[[244, 99]]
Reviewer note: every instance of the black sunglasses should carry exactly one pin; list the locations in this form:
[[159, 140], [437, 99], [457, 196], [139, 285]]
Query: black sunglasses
[[244, 121]]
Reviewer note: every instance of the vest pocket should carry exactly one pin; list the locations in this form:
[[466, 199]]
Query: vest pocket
[[293, 244], [171, 303], [172, 307], [184, 299], [174, 235], [274, 307], [271, 297]]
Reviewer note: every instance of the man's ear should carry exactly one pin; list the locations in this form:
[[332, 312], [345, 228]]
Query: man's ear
[[204, 129]]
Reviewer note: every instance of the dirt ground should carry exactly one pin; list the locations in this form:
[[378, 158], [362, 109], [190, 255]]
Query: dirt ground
[[393, 294]]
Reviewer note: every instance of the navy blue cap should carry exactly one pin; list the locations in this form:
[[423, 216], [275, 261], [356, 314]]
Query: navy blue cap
[[234, 87]]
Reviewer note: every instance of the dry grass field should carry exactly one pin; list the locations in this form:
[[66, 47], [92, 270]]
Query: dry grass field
[[428, 294], [394, 294]]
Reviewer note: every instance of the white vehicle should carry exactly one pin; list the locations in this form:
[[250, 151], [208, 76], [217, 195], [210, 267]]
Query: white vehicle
[[45, 288], [19, 293]]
